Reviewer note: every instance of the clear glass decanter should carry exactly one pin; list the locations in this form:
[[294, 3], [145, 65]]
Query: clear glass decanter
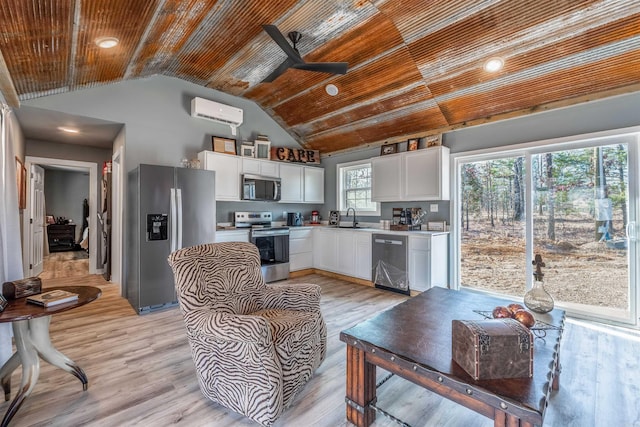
[[538, 299]]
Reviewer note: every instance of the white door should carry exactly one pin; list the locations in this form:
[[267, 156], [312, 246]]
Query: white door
[[37, 220]]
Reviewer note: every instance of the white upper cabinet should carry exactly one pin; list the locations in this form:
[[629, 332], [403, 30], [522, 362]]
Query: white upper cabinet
[[426, 174], [227, 169], [411, 176], [313, 185], [386, 178], [260, 167], [291, 183], [301, 184]]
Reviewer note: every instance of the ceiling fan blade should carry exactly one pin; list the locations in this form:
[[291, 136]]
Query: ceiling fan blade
[[286, 64], [277, 37], [324, 67]]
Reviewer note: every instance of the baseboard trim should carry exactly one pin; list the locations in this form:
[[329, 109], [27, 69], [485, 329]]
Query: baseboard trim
[[357, 281], [300, 273], [351, 279]]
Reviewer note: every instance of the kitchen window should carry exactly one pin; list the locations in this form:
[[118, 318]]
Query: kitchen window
[[354, 188]]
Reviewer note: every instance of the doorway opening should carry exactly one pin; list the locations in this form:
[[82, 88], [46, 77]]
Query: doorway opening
[[68, 233]]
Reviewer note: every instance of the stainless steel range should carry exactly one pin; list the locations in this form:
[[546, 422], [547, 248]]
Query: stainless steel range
[[272, 242]]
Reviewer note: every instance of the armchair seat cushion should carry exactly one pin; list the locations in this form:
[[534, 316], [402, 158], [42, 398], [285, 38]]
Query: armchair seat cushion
[[299, 341], [291, 329]]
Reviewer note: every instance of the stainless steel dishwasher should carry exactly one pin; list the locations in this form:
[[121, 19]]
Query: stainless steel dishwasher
[[389, 268]]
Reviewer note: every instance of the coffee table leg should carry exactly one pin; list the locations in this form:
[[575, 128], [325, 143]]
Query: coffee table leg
[[361, 388], [46, 350], [30, 367], [5, 374]]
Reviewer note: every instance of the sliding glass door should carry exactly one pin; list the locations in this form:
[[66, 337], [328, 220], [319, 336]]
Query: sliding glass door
[[580, 214], [574, 203], [492, 219]]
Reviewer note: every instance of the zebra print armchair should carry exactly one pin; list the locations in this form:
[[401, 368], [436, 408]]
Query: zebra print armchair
[[254, 346]]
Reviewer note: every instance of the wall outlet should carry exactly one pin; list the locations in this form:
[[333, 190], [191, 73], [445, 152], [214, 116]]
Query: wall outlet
[[433, 207]]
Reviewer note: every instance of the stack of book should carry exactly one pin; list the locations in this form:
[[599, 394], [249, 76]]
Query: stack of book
[[51, 298]]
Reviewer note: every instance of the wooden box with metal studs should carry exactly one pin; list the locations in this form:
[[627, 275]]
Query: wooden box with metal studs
[[492, 349]]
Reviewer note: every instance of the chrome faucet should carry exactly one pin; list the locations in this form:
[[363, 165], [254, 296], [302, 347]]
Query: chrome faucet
[[355, 222]]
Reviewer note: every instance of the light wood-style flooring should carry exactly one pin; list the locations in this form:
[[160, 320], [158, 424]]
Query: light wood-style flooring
[[64, 264], [141, 373]]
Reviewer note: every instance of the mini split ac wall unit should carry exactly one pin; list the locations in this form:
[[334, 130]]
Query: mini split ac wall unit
[[216, 112]]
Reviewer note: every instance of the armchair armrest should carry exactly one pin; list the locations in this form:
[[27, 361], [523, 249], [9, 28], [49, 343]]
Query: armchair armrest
[[228, 327], [299, 296]]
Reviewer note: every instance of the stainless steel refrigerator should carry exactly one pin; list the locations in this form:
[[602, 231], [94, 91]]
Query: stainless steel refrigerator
[[168, 209]]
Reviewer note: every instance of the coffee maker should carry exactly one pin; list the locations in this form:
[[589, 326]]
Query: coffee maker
[[294, 219], [315, 217]]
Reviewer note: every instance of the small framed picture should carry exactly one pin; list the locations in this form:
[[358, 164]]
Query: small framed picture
[[433, 140], [51, 219], [262, 149], [412, 144], [247, 150], [388, 149], [223, 145]]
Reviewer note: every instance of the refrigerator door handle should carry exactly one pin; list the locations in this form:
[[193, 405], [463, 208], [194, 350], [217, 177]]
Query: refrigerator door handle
[[174, 228], [179, 219]]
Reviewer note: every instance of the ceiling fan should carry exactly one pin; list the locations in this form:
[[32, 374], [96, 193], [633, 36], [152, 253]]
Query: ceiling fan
[[294, 60]]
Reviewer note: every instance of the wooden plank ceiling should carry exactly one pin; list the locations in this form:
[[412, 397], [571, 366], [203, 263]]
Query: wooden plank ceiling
[[415, 66]]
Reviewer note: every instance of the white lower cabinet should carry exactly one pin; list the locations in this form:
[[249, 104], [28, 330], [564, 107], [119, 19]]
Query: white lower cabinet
[[428, 261], [349, 253], [232, 236], [300, 249], [363, 256], [346, 252], [325, 254], [343, 251]]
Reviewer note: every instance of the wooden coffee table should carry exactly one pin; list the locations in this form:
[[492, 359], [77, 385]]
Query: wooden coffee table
[[31, 332], [413, 341]]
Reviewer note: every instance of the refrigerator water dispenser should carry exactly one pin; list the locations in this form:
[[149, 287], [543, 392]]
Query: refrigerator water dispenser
[[157, 227]]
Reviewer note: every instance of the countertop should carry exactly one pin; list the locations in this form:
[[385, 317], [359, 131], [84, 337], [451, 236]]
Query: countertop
[[363, 229]]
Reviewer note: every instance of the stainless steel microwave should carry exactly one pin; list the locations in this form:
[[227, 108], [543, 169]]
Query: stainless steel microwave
[[260, 188]]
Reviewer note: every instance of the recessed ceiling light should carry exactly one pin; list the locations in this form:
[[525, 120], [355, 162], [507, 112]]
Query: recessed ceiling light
[[494, 64], [331, 89], [68, 130], [107, 42]]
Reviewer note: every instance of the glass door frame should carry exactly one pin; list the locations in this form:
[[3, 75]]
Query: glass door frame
[[630, 136]]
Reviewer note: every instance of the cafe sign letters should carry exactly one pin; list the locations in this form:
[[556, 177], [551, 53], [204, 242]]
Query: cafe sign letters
[[295, 155]]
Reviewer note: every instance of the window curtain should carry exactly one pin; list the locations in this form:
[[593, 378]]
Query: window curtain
[[10, 242]]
